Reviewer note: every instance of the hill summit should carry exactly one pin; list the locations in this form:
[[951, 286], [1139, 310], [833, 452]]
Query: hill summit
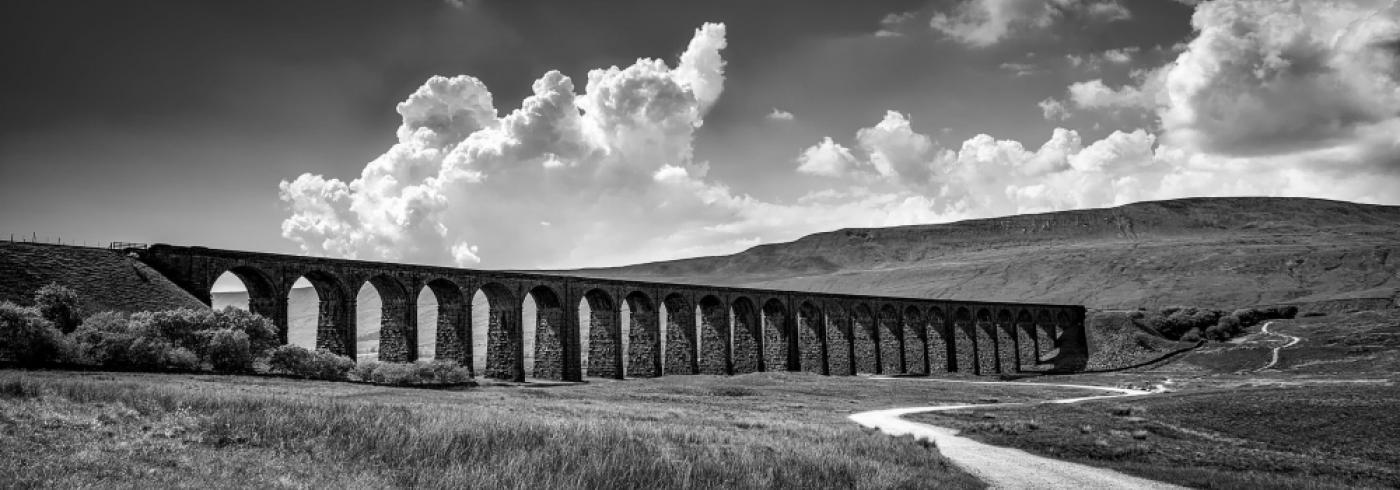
[[1211, 252]]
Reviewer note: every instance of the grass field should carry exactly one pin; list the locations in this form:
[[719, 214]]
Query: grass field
[[68, 429], [1288, 434]]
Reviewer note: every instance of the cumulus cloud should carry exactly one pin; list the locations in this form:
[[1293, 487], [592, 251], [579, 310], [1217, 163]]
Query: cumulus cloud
[[1270, 98], [779, 115], [465, 185], [981, 23], [828, 159], [1268, 77], [1053, 110]]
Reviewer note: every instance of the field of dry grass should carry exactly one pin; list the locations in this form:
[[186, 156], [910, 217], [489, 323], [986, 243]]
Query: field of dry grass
[[70, 429], [1272, 435]]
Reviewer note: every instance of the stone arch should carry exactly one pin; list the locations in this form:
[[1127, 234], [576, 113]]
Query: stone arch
[[780, 351], [839, 348], [965, 341], [551, 350], [811, 336], [891, 340], [680, 335], [714, 336], [451, 338], [915, 341], [1005, 341], [262, 295], [747, 345], [505, 355], [1026, 347], [865, 340], [644, 336], [604, 335], [941, 342], [398, 319]]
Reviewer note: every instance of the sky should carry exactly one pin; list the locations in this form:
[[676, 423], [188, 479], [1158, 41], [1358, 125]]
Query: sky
[[514, 134]]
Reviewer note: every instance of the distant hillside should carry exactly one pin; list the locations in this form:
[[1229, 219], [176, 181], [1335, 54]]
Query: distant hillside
[[1215, 252], [104, 279]]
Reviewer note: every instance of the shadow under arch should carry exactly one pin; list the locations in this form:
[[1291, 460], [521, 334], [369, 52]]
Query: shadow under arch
[[505, 357], [604, 335], [644, 336], [780, 350], [680, 335], [747, 348], [891, 340], [865, 340]]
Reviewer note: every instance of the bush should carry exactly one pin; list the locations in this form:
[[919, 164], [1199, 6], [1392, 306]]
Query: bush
[[448, 372], [394, 373], [59, 305], [190, 328], [1193, 335], [228, 351], [118, 340], [298, 361], [364, 370], [407, 374], [27, 339]]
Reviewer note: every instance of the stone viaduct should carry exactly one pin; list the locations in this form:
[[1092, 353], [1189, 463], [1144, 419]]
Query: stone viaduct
[[740, 330]]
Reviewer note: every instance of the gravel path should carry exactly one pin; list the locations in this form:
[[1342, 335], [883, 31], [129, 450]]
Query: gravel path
[[1290, 343], [1003, 467]]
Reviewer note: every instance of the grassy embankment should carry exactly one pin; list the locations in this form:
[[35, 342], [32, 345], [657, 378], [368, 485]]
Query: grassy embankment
[[769, 430]]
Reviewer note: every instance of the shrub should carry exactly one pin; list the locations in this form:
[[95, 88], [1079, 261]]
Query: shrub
[[262, 334], [118, 340], [59, 305], [27, 338], [396, 374], [299, 361], [364, 370], [228, 351], [1193, 335], [447, 372]]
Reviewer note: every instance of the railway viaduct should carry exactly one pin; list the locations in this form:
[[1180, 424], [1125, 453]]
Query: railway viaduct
[[739, 330]]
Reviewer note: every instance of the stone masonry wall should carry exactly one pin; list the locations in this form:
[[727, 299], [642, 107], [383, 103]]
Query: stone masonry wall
[[776, 338], [891, 345], [1025, 342], [940, 338], [644, 344], [1006, 348], [714, 338], [680, 341], [867, 355], [747, 339], [986, 349], [396, 339], [838, 343], [915, 347], [549, 343], [811, 341], [503, 339], [966, 345], [604, 343]]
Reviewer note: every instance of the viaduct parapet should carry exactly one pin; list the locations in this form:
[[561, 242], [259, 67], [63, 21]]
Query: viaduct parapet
[[709, 329]]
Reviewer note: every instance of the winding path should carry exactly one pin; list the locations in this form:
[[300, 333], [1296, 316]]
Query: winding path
[[1003, 467], [1290, 343]]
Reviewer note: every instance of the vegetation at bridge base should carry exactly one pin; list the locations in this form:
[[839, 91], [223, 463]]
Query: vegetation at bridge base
[[230, 340]]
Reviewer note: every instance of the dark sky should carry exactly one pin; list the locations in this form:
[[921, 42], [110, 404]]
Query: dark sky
[[175, 121]]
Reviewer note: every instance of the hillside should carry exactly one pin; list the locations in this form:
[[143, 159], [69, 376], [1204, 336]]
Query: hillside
[[1211, 252], [104, 279]]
